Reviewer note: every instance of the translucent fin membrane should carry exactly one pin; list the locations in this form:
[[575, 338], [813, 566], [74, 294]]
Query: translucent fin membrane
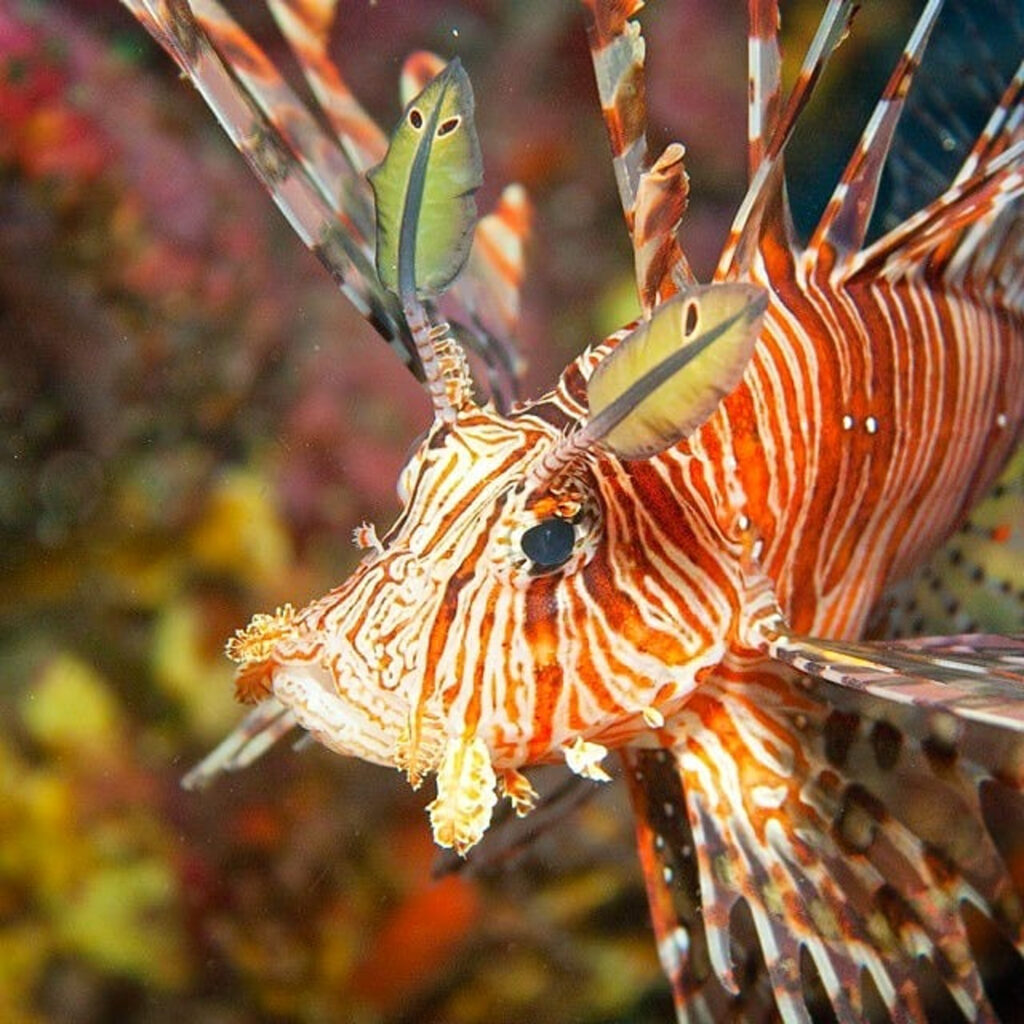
[[805, 838], [972, 56]]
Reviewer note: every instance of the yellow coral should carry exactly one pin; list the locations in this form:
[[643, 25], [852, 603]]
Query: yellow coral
[[70, 708], [240, 532], [183, 666]]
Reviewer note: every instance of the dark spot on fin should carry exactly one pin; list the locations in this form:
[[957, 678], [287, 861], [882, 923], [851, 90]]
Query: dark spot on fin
[[942, 742], [840, 731], [886, 742], [859, 817]]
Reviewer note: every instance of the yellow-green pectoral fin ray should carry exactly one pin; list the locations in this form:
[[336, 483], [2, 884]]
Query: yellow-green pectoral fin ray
[[424, 189], [667, 377]]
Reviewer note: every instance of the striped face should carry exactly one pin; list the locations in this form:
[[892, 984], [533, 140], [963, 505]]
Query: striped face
[[531, 623]]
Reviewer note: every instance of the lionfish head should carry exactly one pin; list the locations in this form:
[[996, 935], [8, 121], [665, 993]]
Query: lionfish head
[[546, 591], [523, 608]]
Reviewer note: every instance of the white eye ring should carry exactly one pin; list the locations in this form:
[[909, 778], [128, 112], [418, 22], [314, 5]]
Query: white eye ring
[[512, 562]]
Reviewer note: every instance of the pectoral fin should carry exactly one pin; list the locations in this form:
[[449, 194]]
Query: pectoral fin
[[976, 678]]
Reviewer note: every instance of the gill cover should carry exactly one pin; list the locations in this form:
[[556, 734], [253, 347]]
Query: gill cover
[[424, 189]]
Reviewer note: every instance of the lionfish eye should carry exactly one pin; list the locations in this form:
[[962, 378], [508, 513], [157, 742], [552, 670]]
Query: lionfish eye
[[549, 543]]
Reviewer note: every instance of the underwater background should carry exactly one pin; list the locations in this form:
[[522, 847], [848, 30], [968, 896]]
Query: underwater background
[[192, 421]]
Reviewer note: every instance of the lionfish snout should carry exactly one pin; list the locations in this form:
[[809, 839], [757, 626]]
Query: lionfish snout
[[341, 665]]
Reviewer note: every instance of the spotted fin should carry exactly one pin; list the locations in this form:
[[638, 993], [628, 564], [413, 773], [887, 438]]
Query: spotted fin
[[668, 857], [424, 189], [824, 862], [955, 198], [974, 583], [641, 401]]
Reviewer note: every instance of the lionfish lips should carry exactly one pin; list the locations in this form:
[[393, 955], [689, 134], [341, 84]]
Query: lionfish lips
[[276, 659]]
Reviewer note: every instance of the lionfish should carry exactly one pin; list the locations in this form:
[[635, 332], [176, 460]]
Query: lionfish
[[675, 553]]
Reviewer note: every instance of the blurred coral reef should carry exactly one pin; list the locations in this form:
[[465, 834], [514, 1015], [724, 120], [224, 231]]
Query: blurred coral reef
[[191, 423]]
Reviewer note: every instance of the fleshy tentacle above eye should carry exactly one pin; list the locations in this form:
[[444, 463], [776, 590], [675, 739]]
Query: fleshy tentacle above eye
[[665, 378], [318, 181], [426, 215], [487, 292]]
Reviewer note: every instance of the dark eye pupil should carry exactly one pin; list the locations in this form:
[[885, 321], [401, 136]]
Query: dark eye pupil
[[549, 543]]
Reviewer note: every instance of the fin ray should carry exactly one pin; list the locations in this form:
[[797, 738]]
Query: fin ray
[[809, 816], [977, 678], [653, 199], [767, 187], [333, 236], [306, 27], [764, 71], [844, 223]]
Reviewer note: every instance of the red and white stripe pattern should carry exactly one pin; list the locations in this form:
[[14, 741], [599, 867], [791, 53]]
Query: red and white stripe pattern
[[653, 196]]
